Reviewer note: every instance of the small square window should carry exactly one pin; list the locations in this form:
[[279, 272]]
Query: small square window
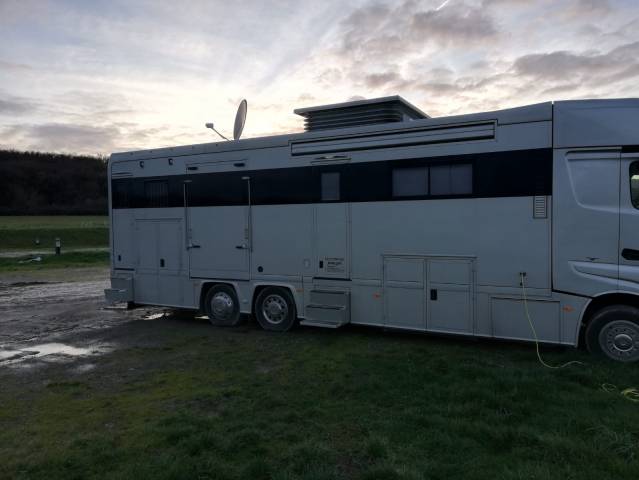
[[330, 187], [451, 179], [156, 193], [410, 182]]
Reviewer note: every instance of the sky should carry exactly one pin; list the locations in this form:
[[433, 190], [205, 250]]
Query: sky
[[95, 77]]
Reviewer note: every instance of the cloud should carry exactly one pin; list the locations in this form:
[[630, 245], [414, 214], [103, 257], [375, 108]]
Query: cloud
[[618, 64], [13, 66], [587, 8], [378, 32], [13, 106], [100, 77], [455, 24], [376, 80], [59, 137]]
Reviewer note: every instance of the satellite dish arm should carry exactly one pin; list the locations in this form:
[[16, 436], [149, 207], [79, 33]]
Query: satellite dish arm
[[212, 127]]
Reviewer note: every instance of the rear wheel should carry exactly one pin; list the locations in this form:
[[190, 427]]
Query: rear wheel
[[614, 331], [221, 306], [275, 309]]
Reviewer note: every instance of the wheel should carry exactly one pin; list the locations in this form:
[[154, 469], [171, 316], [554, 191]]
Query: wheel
[[275, 309], [614, 331], [221, 306]]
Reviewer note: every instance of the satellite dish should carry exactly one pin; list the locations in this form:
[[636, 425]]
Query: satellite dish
[[240, 120]]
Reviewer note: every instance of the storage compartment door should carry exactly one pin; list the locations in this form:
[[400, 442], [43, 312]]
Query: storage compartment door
[[170, 250], [146, 278], [450, 295], [404, 305]]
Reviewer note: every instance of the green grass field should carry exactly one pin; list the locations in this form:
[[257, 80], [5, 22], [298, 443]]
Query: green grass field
[[67, 260], [21, 233], [197, 402]]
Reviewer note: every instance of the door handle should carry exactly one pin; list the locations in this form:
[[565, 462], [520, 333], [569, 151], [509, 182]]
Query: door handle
[[193, 246], [433, 294], [630, 254], [241, 247]]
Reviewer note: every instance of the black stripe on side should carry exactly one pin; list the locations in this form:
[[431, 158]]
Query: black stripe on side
[[496, 174]]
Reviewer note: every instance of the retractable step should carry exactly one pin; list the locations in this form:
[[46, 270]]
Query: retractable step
[[328, 309]]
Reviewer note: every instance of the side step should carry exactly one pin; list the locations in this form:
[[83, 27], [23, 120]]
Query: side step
[[328, 309]]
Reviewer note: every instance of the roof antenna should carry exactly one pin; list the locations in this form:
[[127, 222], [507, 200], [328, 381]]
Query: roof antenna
[[240, 120]]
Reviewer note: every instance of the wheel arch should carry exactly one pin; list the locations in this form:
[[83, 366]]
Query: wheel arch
[[208, 284], [605, 300], [296, 293]]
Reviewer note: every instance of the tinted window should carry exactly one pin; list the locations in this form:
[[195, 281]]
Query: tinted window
[[330, 186], [156, 193], [120, 193], [410, 182], [634, 183], [451, 179]]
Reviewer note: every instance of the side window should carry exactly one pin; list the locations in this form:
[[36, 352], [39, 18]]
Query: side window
[[634, 183], [451, 179], [156, 193], [410, 182], [330, 186]]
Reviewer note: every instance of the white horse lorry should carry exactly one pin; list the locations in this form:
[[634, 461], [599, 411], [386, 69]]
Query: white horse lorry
[[379, 215]]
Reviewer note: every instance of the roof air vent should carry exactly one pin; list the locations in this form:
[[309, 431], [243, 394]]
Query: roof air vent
[[359, 113]]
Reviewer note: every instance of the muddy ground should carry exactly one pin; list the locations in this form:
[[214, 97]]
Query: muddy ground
[[60, 317]]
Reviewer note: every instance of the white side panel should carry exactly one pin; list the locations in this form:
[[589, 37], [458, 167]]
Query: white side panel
[[509, 319], [331, 235], [500, 233], [596, 123]]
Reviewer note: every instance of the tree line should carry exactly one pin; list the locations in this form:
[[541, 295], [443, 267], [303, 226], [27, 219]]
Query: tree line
[[38, 183]]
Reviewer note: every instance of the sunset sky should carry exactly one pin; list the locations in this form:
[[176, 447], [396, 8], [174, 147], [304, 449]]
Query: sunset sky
[[96, 77]]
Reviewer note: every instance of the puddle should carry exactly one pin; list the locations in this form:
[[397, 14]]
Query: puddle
[[58, 349], [50, 352]]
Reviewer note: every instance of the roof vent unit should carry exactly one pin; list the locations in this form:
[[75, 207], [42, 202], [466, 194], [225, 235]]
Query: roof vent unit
[[359, 113]]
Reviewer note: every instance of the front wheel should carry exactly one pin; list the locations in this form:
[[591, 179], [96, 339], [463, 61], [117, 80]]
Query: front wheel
[[614, 331], [221, 306], [275, 309]]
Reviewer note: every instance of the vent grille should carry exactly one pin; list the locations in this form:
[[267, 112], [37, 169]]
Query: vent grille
[[359, 113], [540, 207]]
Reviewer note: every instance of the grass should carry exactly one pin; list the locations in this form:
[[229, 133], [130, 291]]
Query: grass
[[191, 401], [66, 260], [21, 232]]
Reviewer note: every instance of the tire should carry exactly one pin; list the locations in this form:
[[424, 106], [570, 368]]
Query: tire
[[275, 309], [614, 332], [222, 306]]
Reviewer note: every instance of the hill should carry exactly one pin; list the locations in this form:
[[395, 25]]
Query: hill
[[36, 183]]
